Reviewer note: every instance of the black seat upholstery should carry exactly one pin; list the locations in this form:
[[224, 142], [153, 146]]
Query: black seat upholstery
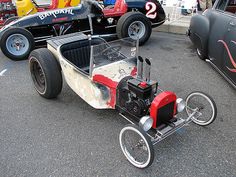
[[80, 57], [78, 53]]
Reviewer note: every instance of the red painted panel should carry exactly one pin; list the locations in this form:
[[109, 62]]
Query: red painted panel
[[159, 101], [110, 84], [134, 71], [119, 9]]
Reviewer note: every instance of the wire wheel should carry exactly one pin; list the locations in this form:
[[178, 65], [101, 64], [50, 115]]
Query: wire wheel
[[136, 146], [38, 75], [204, 106]]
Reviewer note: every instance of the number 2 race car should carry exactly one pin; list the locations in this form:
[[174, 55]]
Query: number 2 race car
[[125, 18], [109, 75]]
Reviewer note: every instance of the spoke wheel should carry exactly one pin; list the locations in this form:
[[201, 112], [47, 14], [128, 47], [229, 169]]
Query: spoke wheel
[[205, 107], [136, 146]]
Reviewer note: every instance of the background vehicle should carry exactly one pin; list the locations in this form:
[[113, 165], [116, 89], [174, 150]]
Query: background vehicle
[[26, 7], [11, 12], [214, 35], [7, 10], [124, 18], [110, 76]]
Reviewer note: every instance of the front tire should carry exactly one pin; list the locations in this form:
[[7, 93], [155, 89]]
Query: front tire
[[17, 43], [133, 24], [205, 107], [45, 73], [140, 146]]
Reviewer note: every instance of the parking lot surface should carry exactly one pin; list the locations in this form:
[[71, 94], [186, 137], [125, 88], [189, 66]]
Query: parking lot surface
[[67, 137]]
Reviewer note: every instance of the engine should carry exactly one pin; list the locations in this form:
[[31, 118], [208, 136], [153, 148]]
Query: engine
[[134, 97], [137, 97]]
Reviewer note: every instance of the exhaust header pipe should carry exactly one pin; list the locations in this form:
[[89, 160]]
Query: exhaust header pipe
[[140, 68], [147, 73]]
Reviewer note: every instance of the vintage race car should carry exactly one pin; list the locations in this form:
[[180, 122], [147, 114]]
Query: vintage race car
[[126, 18], [9, 12], [214, 35], [111, 75]]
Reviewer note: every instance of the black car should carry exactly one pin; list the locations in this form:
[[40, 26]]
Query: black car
[[125, 18], [214, 35]]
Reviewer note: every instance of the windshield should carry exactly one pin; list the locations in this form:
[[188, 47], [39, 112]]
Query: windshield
[[109, 52]]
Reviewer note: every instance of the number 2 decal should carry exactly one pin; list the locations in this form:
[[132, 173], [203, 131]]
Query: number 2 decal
[[151, 10]]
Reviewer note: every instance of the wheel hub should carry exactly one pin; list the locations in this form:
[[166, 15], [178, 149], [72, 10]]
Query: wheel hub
[[135, 29], [17, 44]]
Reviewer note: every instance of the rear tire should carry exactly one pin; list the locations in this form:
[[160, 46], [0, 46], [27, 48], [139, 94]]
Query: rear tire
[[17, 43], [45, 73], [132, 24]]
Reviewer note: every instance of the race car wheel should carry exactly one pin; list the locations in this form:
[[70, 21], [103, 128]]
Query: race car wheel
[[205, 107], [9, 20], [136, 146], [200, 54], [133, 24], [17, 43], [46, 73]]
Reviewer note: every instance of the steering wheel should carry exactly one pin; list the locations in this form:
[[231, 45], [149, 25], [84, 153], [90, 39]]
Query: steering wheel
[[112, 52]]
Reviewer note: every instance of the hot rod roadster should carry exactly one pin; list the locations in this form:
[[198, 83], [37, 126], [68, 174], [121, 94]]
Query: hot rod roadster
[[111, 75], [125, 18]]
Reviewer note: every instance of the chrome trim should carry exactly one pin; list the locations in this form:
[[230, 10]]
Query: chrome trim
[[221, 73], [122, 115], [90, 24], [91, 57], [104, 35], [42, 39], [139, 67], [158, 22], [112, 26], [29, 11], [85, 31], [169, 130], [147, 72]]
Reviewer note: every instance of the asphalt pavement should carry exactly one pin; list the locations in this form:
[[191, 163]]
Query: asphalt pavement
[[65, 137]]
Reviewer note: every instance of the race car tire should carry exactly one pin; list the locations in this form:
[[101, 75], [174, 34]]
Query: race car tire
[[9, 20], [17, 43], [129, 21], [45, 73], [200, 54]]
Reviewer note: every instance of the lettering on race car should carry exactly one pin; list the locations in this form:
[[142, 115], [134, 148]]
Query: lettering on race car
[[151, 10], [55, 13]]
